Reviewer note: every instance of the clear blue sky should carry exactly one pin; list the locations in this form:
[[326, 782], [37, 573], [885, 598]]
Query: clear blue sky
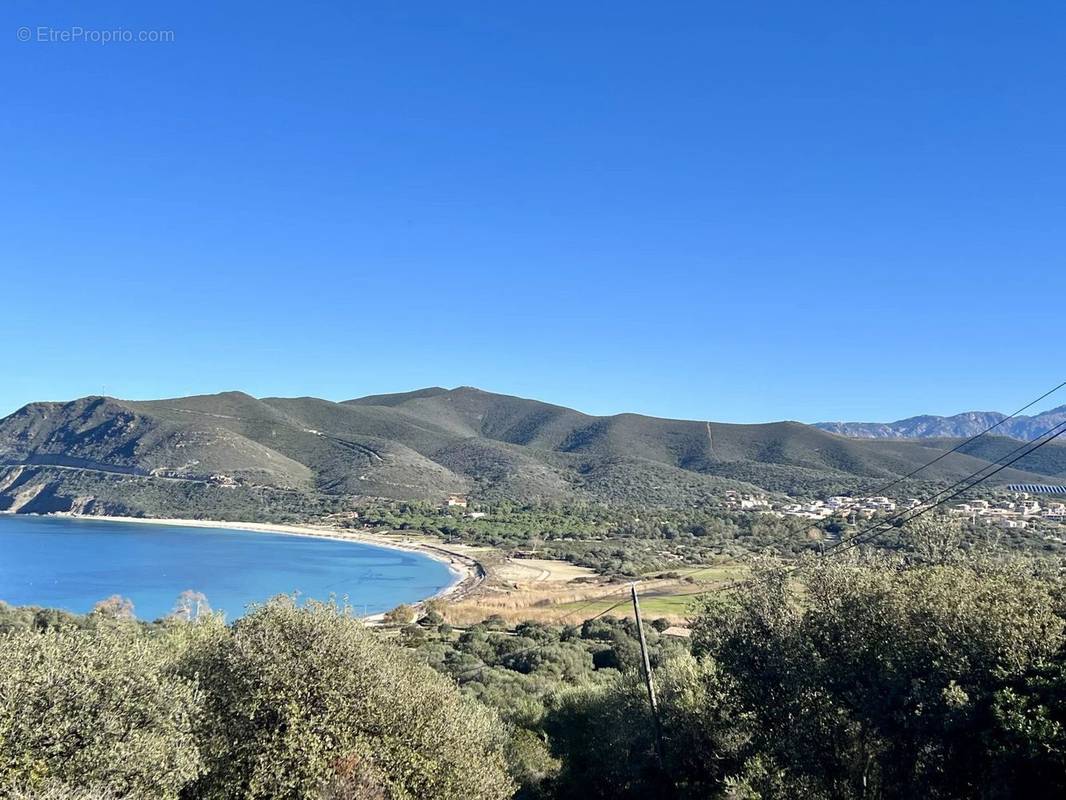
[[732, 211]]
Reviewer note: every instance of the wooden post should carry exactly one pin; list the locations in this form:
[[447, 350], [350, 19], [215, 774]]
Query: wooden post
[[652, 701]]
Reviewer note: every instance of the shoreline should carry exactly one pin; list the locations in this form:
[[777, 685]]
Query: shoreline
[[467, 572]]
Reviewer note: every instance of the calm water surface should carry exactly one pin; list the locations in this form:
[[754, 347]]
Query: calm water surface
[[73, 563]]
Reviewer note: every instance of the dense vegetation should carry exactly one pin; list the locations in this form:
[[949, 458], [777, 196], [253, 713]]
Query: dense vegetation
[[613, 540], [285, 703], [937, 670], [935, 673], [629, 542]]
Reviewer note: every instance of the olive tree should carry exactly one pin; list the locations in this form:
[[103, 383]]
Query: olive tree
[[94, 708], [60, 791], [881, 678], [306, 701]]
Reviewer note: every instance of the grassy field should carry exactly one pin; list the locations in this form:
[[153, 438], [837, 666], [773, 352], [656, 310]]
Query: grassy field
[[578, 597], [673, 607], [669, 598]]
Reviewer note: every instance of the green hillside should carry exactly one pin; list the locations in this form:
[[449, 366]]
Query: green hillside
[[428, 444]]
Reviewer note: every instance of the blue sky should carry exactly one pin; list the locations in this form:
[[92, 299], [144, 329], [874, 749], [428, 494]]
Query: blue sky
[[738, 212]]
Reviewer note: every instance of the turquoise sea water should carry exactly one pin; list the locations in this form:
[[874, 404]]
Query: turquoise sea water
[[73, 563]]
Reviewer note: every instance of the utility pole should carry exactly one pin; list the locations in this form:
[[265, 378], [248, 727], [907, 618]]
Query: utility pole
[[647, 680]]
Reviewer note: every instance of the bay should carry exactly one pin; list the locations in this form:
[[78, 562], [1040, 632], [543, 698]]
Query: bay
[[62, 562]]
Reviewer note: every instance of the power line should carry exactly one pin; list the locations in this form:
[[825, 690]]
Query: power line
[[608, 610], [872, 532], [858, 538], [852, 542], [971, 440], [1052, 433], [732, 559], [593, 602], [892, 519], [912, 473]]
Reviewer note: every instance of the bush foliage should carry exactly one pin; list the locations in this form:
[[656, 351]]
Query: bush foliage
[[286, 703], [935, 671]]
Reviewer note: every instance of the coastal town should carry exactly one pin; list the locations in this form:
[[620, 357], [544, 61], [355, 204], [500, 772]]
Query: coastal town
[[1010, 509]]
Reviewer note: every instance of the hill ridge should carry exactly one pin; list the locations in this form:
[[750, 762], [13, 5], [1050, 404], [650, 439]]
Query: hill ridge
[[429, 443]]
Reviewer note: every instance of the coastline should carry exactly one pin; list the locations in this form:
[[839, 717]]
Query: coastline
[[467, 572]]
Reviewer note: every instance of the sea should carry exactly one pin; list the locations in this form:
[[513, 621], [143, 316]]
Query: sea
[[73, 563]]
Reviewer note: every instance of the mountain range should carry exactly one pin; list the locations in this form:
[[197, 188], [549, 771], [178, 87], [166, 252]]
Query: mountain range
[[235, 456], [962, 426]]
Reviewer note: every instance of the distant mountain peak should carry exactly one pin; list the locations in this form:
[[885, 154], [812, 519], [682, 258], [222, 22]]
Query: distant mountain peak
[[966, 424]]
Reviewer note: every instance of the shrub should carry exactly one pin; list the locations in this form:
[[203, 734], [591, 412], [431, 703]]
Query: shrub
[[401, 615], [95, 708], [59, 791], [300, 700]]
